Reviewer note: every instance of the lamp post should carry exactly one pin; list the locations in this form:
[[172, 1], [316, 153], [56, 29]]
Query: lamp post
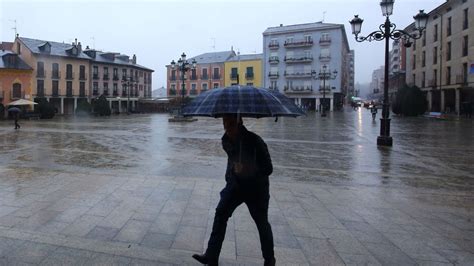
[[128, 82], [324, 75], [386, 32], [183, 66]]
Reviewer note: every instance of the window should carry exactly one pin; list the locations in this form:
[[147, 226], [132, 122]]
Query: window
[[106, 88], [193, 74], [465, 46], [82, 72], [233, 73], [308, 39], [464, 73], [173, 75], [423, 59], [40, 87], [435, 33], [423, 76], [448, 33], [55, 74], [124, 73], [95, 88], [115, 86], [204, 74], [448, 51], [465, 21], [115, 74], [204, 87], [413, 66], [216, 85], [55, 87], [16, 91], [69, 71], [216, 73], [40, 69], [82, 89], [414, 45], [106, 73], [273, 85], [95, 72], [448, 75], [69, 88], [435, 55], [249, 73], [423, 40], [289, 39], [414, 79], [193, 86], [435, 77]]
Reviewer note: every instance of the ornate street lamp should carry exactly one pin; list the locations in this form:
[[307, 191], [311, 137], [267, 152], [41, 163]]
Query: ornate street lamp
[[183, 66], [324, 75], [386, 32], [128, 82]]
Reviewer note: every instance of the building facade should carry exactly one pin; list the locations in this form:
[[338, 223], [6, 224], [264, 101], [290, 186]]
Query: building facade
[[292, 53], [15, 79], [441, 62], [244, 70], [209, 73], [120, 79]]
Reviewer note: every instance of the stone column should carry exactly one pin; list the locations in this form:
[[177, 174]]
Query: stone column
[[62, 106], [120, 106], [429, 98], [318, 103], [442, 107], [458, 101], [75, 104], [331, 104]]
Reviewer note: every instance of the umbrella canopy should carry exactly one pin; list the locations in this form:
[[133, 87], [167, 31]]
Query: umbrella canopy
[[22, 102], [14, 110], [247, 101]]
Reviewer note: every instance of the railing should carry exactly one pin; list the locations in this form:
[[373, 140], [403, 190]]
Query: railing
[[95, 76], [325, 41], [69, 75], [173, 78], [297, 74], [327, 88], [303, 59], [82, 76], [40, 74], [40, 93], [461, 79], [324, 57], [273, 45], [106, 77], [16, 96], [233, 77], [69, 93], [95, 92], [204, 77], [193, 92], [106, 92], [115, 93], [194, 77], [116, 77], [55, 74], [82, 92], [303, 43], [216, 76], [273, 75], [249, 75], [298, 89], [273, 60]]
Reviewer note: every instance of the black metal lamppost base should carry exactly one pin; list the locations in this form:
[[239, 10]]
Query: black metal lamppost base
[[385, 141]]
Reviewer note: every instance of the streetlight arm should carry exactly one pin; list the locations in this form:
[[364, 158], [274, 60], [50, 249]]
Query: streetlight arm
[[389, 30]]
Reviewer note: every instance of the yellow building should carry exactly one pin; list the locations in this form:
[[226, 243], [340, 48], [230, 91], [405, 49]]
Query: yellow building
[[244, 70]]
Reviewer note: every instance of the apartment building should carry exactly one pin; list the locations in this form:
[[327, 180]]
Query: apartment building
[[441, 63], [120, 79], [209, 73], [293, 54], [244, 70]]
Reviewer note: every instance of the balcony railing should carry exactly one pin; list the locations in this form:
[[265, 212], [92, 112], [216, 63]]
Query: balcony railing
[[304, 59], [40, 93], [297, 74], [14, 96], [69, 75], [461, 79], [273, 45], [116, 77], [82, 92], [95, 76], [325, 41], [233, 77], [303, 43], [327, 88], [55, 74], [216, 76], [324, 58], [173, 78], [273, 75], [40, 74], [194, 77], [106, 77], [115, 93], [95, 92], [273, 60], [106, 92], [193, 92], [249, 75], [82, 76], [298, 89], [204, 77], [172, 92], [69, 93]]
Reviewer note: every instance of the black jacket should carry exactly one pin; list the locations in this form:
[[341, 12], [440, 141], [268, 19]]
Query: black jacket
[[250, 150]]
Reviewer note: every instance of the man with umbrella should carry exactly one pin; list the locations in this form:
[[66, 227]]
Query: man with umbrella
[[248, 168], [15, 111], [248, 161]]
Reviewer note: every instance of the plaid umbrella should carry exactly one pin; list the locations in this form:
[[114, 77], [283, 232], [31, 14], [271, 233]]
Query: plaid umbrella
[[247, 101]]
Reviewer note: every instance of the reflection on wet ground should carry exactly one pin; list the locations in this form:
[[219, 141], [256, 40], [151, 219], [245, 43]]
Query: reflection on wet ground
[[339, 149]]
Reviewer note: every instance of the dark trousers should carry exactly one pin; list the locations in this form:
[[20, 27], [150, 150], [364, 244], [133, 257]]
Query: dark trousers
[[16, 124], [256, 198]]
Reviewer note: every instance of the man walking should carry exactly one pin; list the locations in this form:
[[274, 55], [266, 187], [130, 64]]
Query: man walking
[[248, 167]]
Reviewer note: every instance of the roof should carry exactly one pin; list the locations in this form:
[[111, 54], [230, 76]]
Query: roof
[[215, 57], [10, 60], [301, 27], [246, 57], [115, 58], [56, 48]]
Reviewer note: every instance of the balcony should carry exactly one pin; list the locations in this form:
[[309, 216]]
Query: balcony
[[39, 93], [303, 43], [216, 76], [273, 60], [173, 78], [194, 77], [327, 89], [95, 92], [273, 75], [14, 96], [193, 92], [82, 93], [116, 77], [106, 92], [461, 79], [55, 74], [124, 94], [82, 76], [324, 58], [233, 76], [249, 76], [325, 41], [273, 46], [105, 77], [115, 93], [298, 89], [40, 74], [95, 76], [295, 75], [293, 60], [69, 75], [204, 77], [69, 93]]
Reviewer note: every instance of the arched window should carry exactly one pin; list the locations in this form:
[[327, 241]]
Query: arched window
[[16, 91]]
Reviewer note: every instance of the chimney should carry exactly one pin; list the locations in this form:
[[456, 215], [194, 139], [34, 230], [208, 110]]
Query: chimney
[[281, 25], [134, 59], [79, 47]]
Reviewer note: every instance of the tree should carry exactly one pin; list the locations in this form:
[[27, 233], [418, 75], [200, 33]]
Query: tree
[[101, 106], [410, 101], [45, 109]]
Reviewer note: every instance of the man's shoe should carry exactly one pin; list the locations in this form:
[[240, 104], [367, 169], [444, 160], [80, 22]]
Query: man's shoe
[[270, 262], [203, 259]]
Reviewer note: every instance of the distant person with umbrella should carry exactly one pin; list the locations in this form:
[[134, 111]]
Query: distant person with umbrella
[[15, 111], [249, 164]]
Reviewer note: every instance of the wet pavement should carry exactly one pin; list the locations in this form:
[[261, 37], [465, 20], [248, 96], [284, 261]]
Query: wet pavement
[[139, 190]]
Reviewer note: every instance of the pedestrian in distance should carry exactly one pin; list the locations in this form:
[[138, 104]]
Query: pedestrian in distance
[[16, 116], [247, 181]]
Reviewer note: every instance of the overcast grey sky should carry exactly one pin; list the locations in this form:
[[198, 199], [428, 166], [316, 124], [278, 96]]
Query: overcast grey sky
[[159, 31]]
